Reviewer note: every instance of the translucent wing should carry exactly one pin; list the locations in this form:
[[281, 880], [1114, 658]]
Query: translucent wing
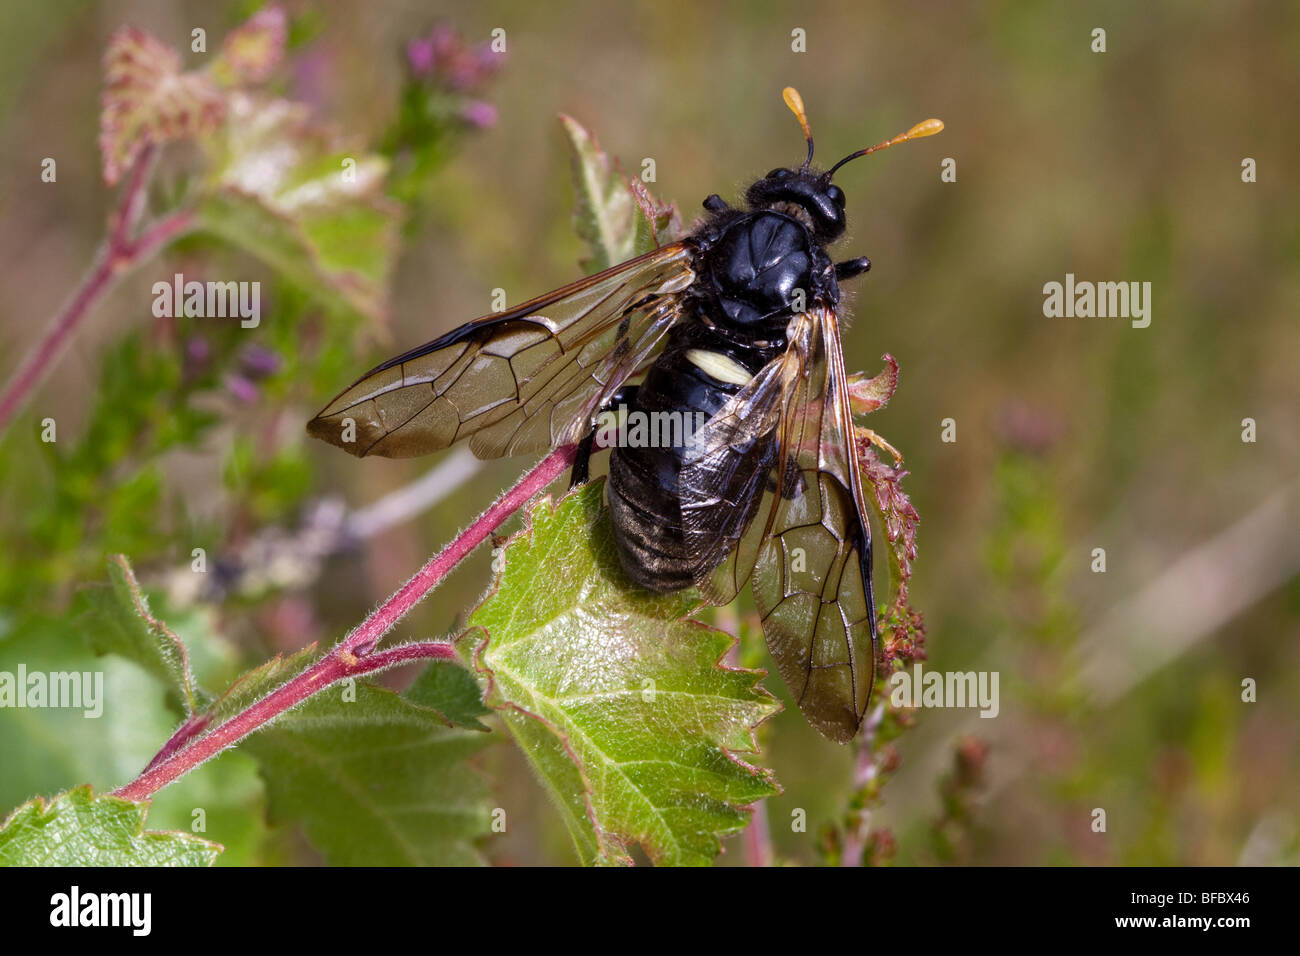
[[723, 484], [522, 381], [803, 537], [812, 579]]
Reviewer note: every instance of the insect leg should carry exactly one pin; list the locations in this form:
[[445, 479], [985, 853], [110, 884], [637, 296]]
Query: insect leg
[[851, 268], [879, 442], [716, 203], [582, 463]]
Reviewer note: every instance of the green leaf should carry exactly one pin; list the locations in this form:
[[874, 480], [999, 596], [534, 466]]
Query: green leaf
[[375, 781], [77, 828], [47, 748], [618, 700], [452, 691], [119, 621], [257, 683], [617, 218], [148, 100], [658, 222], [286, 191]]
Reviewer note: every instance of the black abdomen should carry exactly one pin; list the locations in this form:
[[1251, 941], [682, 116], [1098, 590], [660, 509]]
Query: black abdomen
[[754, 270], [677, 396]]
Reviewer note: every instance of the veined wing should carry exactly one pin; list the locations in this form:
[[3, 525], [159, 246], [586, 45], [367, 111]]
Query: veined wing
[[727, 478], [523, 381], [812, 581], [804, 538]]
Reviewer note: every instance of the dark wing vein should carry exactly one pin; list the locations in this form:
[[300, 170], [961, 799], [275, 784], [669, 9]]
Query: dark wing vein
[[523, 381], [812, 579], [722, 486], [809, 556]]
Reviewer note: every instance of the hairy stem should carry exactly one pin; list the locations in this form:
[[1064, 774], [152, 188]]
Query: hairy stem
[[391, 611], [757, 842], [119, 254], [330, 669], [354, 655], [865, 771]]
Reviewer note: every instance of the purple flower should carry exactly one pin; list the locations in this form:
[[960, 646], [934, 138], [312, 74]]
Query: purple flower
[[479, 114], [241, 388], [257, 362], [488, 60], [419, 53], [445, 59], [445, 41], [198, 350]]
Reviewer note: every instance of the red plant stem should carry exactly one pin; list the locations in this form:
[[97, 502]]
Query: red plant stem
[[159, 234], [193, 726], [131, 206], [351, 657], [865, 771], [334, 667], [391, 611], [757, 843], [118, 255]]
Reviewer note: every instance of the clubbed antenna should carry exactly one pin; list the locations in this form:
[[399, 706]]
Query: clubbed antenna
[[795, 102], [926, 128]]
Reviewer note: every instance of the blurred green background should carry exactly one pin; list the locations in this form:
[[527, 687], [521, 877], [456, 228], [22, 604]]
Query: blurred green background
[[1121, 690]]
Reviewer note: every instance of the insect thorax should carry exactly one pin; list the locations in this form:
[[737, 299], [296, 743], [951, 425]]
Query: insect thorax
[[757, 270]]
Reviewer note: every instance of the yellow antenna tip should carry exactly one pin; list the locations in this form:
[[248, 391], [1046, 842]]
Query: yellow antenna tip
[[793, 100], [926, 128]]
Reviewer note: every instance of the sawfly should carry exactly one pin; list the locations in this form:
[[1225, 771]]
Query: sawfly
[[736, 325]]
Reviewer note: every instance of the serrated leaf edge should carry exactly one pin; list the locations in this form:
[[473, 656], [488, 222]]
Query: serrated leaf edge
[[43, 805], [141, 606], [603, 836], [368, 298]]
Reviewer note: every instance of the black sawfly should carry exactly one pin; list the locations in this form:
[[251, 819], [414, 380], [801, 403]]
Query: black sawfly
[[735, 325]]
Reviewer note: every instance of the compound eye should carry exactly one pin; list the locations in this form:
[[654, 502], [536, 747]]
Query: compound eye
[[781, 173], [836, 196]]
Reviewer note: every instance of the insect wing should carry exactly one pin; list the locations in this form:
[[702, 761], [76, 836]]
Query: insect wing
[[724, 484], [523, 381], [812, 580]]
